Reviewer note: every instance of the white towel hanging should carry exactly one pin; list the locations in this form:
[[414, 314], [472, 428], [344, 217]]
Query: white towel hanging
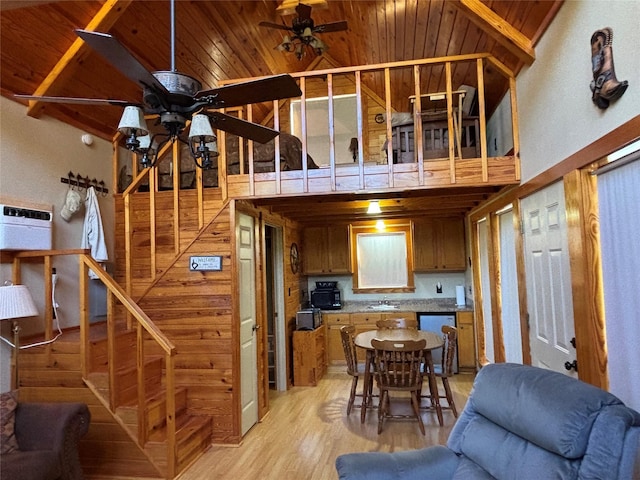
[[92, 231]]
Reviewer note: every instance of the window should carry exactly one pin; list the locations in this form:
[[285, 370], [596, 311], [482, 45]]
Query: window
[[383, 259], [317, 114]]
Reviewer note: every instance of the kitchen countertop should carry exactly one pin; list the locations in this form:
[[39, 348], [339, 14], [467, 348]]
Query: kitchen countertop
[[427, 305]]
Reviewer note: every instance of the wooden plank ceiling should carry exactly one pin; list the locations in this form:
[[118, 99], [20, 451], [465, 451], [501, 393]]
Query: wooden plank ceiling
[[220, 40]]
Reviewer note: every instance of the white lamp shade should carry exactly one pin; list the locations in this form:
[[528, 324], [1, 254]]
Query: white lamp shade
[[16, 302], [374, 207], [201, 127], [132, 122], [145, 144]]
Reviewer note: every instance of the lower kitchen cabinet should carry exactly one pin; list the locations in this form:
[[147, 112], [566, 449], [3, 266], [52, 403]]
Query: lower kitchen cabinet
[[334, 322], [309, 356], [466, 341], [362, 321]]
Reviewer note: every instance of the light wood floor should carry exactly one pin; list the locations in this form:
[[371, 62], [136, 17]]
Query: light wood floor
[[307, 428]]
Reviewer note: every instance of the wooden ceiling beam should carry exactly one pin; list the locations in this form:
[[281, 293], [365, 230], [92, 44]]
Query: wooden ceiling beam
[[498, 29], [63, 70]]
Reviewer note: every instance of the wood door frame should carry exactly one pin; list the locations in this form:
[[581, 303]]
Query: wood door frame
[[589, 321]]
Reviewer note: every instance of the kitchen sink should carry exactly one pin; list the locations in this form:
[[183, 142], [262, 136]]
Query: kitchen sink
[[383, 307]]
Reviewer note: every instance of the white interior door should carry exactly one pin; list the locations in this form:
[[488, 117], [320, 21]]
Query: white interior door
[[248, 340], [548, 277], [511, 332]]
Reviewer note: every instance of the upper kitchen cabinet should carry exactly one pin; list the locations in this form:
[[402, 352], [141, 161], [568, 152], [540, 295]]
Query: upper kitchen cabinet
[[438, 244], [326, 250]]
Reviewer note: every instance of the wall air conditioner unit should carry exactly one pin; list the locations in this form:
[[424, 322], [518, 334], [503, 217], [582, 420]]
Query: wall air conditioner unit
[[23, 228]]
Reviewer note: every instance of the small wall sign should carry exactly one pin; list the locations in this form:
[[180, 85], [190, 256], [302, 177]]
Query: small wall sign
[[207, 263]]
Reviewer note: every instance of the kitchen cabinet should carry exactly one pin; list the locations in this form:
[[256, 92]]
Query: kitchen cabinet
[[326, 250], [365, 321], [362, 321], [309, 356], [466, 341], [438, 244], [334, 322]]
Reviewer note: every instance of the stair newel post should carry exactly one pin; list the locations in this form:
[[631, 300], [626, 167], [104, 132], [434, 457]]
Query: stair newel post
[[142, 394], [171, 414], [84, 316]]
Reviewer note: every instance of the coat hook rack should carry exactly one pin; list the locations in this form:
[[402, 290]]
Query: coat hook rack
[[85, 182]]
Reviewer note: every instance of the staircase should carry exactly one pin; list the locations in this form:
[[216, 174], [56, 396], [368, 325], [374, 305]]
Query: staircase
[[112, 448], [144, 425]]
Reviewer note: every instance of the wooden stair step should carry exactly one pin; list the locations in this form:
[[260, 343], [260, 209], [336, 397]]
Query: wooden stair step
[[193, 436]]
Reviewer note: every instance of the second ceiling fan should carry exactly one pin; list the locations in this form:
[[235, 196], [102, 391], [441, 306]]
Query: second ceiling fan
[[303, 30]]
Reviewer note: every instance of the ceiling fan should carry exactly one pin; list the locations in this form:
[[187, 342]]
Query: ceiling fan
[[177, 98], [303, 29]]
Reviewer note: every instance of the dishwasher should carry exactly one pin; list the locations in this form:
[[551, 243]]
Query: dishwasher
[[433, 322]]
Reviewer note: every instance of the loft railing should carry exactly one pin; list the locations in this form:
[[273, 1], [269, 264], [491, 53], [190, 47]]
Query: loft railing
[[119, 304], [373, 169]]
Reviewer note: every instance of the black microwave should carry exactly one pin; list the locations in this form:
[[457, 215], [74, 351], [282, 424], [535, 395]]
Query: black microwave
[[326, 299]]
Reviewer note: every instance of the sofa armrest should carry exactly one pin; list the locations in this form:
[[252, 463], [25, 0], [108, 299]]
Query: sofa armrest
[[54, 426], [433, 462]]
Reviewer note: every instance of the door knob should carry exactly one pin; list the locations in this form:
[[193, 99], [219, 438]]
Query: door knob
[[571, 365], [255, 327], [573, 342]]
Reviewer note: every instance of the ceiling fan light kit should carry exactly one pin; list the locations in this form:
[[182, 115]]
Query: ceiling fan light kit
[[177, 99], [302, 31]]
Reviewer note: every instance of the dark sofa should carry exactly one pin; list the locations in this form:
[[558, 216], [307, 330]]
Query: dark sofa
[[47, 436]]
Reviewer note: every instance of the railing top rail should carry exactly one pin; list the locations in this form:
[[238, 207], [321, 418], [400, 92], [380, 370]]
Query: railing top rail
[[112, 286], [381, 66], [128, 302]]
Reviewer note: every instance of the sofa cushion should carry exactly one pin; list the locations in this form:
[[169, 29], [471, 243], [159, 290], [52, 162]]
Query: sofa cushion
[[552, 410], [468, 469], [505, 455], [432, 462], [31, 465], [8, 405]]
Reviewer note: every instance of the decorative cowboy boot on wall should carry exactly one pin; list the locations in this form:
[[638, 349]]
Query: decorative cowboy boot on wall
[[605, 86]]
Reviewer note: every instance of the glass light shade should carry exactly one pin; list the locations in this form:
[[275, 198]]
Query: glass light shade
[[201, 127], [16, 302], [132, 122], [374, 207], [307, 33]]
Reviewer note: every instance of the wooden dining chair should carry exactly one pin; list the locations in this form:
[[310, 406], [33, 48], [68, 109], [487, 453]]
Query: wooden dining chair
[[393, 323], [445, 370], [354, 369], [397, 366]]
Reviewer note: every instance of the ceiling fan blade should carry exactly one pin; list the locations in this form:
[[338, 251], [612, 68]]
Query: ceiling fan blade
[[242, 128], [274, 25], [114, 52], [253, 91], [331, 27], [303, 11], [76, 100]]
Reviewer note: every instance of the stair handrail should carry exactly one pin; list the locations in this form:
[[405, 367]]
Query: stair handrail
[[87, 263]]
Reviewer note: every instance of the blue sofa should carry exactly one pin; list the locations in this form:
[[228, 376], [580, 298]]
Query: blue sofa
[[520, 422]]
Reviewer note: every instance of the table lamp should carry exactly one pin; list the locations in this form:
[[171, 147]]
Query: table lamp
[[15, 302]]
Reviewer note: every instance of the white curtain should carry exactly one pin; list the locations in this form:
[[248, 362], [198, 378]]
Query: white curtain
[[619, 204], [382, 260], [511, 331]]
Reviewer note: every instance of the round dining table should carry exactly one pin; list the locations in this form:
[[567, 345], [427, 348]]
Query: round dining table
[[433, 341]]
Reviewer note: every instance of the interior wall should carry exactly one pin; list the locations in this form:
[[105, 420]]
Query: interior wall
[[34, 155], [425, 284], [556, 114]]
